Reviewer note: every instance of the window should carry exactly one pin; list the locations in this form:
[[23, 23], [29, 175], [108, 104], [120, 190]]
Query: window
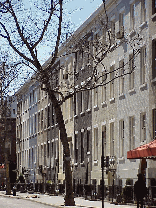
[[82, 147], [112, 139], [88, 99], [104, 87], [81, 58], [13, 111], [32, 124], [75, 104], [52, 113], [154, 59], [96, 144], [33, 96], [131, 71], [96, 97], [41, 120], [35, 123], [96, 43], [112, 82], [82, 101], [45, 118], [112, 32], [121, 20], [154, 123], [142, 65], [121, 135], [88, 140], [132, 132], [30, 98], [32, 159], [48, 121], [41, 154], [142, 127], [76, 148], [132, 19], [27, 127], [45, 154], [153, 6], [143, 11], [104, 138], [71, 107], [48, 149], [121, 79]]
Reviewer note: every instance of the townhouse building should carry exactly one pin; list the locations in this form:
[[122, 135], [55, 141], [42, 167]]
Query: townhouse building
[[118, 115]]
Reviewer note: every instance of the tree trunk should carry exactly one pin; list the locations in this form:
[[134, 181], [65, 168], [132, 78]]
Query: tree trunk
[[69, 197]]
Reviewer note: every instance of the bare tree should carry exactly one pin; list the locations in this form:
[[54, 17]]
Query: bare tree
[[24, 38]]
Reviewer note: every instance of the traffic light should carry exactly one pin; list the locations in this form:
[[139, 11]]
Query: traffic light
[[107, 161]]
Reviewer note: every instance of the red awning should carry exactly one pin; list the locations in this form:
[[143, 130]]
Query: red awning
[[144, 151]]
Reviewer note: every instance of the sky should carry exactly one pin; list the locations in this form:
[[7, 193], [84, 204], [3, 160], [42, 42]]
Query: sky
[[81, 9]]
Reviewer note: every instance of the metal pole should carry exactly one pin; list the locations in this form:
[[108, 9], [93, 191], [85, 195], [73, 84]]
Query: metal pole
[[102, 172]]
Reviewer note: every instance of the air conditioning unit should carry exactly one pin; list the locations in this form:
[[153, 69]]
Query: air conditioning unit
[[120, 34]]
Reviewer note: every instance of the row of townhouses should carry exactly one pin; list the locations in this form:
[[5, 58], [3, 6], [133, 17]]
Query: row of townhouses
[[121, 113]]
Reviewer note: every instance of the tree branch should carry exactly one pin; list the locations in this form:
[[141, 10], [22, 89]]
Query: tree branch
[[11, 44]]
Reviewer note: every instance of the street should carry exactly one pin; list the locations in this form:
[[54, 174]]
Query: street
[[7, 202]]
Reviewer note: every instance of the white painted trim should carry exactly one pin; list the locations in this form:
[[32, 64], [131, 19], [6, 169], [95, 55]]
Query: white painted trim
[[103, 123], [89, 128], [112, 120]]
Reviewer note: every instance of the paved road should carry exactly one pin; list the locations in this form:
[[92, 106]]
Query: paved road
[[7, 202]]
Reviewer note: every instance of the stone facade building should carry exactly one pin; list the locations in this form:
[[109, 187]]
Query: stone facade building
[[120, 113]]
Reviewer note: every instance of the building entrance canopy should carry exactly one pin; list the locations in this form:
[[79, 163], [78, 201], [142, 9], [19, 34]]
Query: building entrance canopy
[[144, 151]]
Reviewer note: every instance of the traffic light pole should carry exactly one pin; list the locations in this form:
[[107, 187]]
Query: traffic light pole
[[102, 172]]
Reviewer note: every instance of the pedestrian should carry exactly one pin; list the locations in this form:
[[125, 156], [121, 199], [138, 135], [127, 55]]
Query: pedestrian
[[140, 190]]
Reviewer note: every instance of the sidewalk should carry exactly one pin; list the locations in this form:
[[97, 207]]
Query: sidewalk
[[58, 201]]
